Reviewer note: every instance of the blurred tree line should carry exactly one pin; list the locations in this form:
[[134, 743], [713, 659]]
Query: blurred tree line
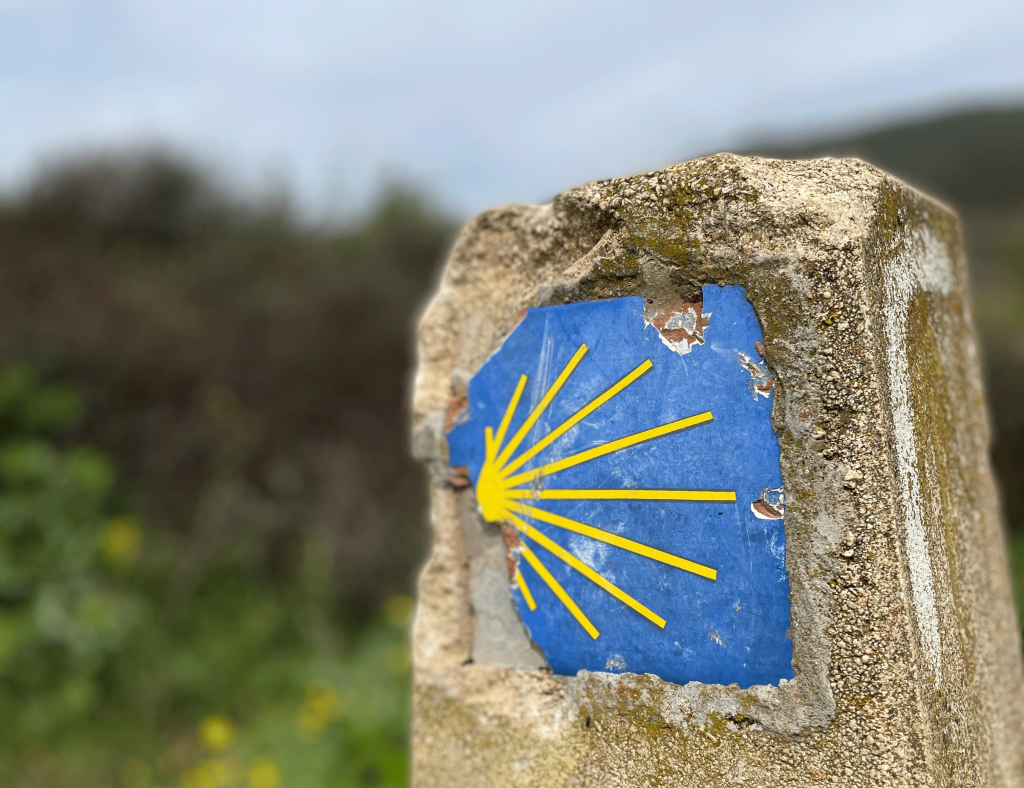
[[208, 520], [209, 523]]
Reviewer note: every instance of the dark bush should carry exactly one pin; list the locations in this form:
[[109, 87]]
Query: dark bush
[[248, 373]]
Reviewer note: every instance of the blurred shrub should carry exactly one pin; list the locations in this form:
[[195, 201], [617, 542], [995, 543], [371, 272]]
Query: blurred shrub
[[207, 543], [60, 617], [250, 685], [999, 312], [1017, 564], [149, 199], [249, 373]]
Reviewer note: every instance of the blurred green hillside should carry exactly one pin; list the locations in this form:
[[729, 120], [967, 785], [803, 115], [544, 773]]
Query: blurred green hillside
[[209, 524]]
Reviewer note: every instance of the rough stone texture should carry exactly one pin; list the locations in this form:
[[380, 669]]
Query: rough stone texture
[[906, 645]]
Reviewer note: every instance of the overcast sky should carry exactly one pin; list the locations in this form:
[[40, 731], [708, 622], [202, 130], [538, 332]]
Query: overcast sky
[[481, 102]]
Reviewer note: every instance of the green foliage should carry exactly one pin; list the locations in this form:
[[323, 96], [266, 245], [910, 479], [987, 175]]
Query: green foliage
[[1016, 545], [195, 570], [60, 618], [113, 685]]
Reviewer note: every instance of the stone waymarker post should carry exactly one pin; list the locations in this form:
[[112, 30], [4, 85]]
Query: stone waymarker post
[[711, 500]]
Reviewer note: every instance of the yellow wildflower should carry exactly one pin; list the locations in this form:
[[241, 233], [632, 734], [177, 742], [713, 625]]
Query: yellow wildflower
[[321, 707], [263, 773], [399, 610], [121, 541], [216, 732]]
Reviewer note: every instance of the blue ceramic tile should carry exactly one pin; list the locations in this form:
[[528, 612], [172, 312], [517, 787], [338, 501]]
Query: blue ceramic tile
[[639, 521]]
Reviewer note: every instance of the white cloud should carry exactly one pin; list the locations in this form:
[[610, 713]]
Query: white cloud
[[489, 102]]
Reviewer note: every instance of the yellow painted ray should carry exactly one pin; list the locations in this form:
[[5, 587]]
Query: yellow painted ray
[[525, 590], [560, 592], [723, 496], [575, 419], [606, 448], [507, 418], [560, 552], [614, 539], [536, 413], [489, 448]]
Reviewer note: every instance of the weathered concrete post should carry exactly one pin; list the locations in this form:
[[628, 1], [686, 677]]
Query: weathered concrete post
[[711, 499]]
